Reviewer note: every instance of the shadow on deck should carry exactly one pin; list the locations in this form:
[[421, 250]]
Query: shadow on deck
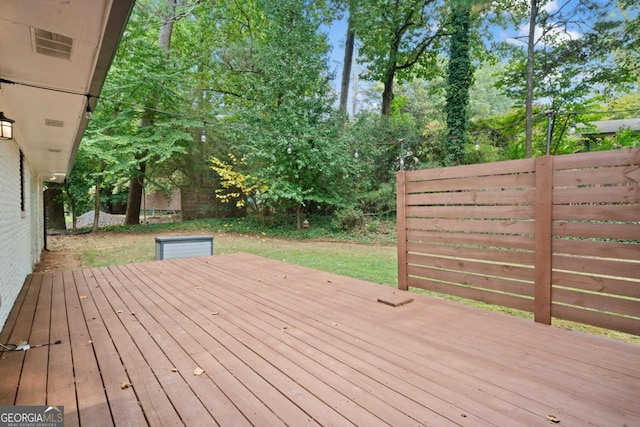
[[243, 340]]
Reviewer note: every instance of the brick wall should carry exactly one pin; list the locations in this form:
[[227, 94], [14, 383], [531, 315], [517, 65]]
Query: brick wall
[[21, 237]]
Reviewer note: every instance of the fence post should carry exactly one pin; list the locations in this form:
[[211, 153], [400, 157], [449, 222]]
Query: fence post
[[401, 225], [543, 238]]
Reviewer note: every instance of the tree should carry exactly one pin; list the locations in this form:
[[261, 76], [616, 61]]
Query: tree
[[346, 66], [572, 47], [273, 79], [136, 183], [459, 80], [138, 115], [400, 40]]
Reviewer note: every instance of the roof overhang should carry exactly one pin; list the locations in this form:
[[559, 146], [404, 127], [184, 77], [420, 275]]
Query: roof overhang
[[605, 128], [55, 52]]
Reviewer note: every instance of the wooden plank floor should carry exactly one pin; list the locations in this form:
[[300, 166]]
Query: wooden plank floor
[[236, 340]]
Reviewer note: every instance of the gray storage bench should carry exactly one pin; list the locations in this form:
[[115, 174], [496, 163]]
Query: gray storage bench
[[183, 246]]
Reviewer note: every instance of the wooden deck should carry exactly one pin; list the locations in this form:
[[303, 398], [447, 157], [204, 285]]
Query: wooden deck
[[284, 345]]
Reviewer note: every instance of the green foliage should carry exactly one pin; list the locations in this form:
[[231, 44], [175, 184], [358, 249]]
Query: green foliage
[[349, 218], [399, 39], [459, 80], [78, 186], [289, 134], [568, 68]]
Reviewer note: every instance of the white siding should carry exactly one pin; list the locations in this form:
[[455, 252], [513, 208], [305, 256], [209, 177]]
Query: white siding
[[21, 236]]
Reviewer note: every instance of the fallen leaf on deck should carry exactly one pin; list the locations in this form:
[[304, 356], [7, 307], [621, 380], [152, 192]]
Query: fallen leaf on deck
[[198, 371], [334, 324], [174, 369], [215, 313], [553, 419], [329, 281], [118, 311], [124, 385], [83, 297]]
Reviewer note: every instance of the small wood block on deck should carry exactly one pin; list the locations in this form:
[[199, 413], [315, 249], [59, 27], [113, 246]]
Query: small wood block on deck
[[396, 299]]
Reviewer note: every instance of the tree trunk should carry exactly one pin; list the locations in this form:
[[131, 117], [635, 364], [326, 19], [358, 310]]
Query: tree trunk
[[136, 186], [55, 207], [96, 207], [459, 78], [96, 204], [387, 94], [346, 69], [164, 41], [530, 63]]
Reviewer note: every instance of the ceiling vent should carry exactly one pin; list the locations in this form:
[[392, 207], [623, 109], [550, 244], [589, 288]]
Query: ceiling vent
[[53, 123], [51, 44]]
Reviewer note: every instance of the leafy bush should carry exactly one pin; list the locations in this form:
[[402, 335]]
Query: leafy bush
[[349, 218]]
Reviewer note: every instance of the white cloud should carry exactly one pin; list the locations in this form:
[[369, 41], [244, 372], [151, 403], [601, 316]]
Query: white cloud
[[551, 7]]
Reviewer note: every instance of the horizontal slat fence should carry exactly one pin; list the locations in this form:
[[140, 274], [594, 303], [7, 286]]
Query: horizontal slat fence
[[555, 236]]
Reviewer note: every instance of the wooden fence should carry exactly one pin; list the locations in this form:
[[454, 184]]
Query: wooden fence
[[555, 236]]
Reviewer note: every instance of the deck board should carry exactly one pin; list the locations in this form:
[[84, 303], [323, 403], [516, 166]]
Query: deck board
[[285, 345]]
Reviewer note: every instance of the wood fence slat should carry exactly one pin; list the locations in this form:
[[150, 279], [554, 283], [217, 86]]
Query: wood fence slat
[[609, 212], [506, 271], [481, 254], [599, 266], [489, 240], [623, 306], [497, 298], [602, 249], [592, 283], [615, 175], [597, 230], [485, 183], [624, 156], [506, 198], [598, 194], [490, 283], [471, 212], [480, 169], [472, 225], [597, 318]]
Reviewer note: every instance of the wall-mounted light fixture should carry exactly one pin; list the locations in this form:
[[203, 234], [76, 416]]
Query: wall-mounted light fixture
[[6, 127]]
